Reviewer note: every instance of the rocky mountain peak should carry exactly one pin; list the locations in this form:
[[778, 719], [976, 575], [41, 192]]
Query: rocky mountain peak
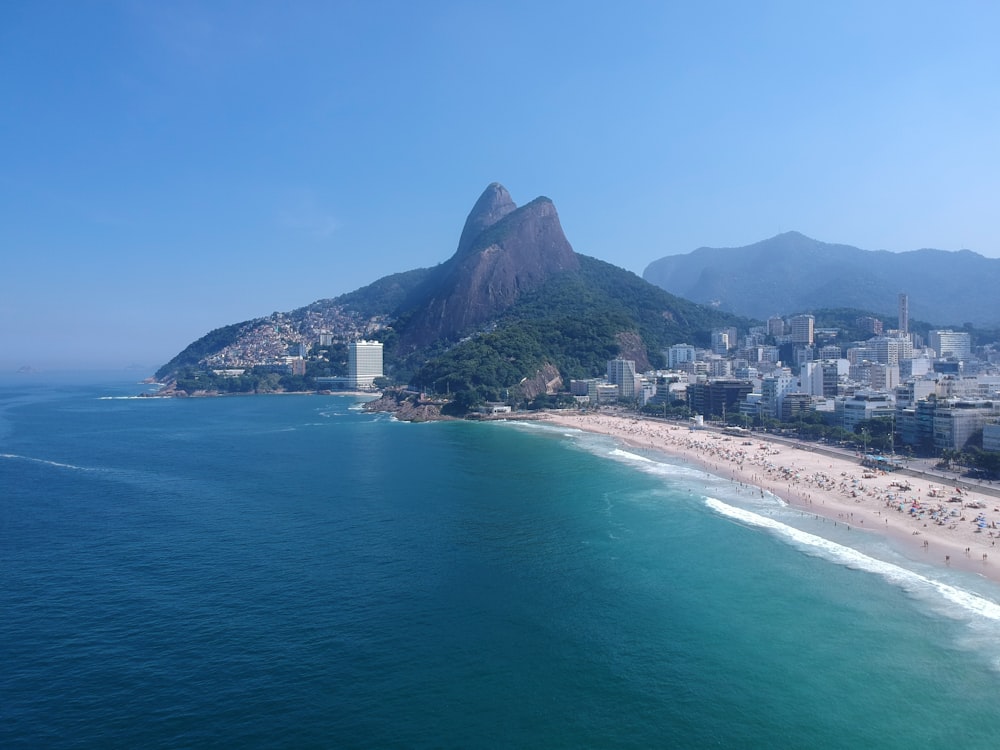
[[494, 204], [503, 252]]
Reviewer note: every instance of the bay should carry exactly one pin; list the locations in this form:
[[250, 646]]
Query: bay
[[290, 571]]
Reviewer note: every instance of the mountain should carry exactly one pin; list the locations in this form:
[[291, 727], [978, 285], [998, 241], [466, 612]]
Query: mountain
[[793, 273], [515, 310], [504, 252]]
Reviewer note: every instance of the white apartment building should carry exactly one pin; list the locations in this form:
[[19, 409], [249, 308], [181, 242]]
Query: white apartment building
[[950, 344], [364, 363], [773, 389], [679, 354], [863, 405]]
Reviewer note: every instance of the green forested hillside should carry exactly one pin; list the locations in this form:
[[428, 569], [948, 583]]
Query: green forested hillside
[[574, 323]]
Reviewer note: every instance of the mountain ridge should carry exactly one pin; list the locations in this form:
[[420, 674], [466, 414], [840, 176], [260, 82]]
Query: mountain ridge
[[791, 272]]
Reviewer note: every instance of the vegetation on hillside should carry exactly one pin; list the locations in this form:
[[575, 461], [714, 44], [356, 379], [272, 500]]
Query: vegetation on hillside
[[382, 297], [572, 322]]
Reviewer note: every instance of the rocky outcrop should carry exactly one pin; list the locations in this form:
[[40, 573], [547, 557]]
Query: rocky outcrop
[[546, 381], [631, 346], [503, 253], [494, 204], [407, 406]]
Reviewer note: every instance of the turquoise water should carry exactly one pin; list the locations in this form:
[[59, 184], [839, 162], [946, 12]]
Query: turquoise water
[[290, 571]]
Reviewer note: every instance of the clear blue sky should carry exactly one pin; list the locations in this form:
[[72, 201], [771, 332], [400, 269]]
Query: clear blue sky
[[167, 168]]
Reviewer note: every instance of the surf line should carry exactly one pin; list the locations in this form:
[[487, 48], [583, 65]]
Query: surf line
[[894, 574]]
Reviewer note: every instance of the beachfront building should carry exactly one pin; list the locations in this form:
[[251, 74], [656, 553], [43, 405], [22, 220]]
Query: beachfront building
[[915, 424], [621, 373], [606, 393], [794, 405], [863, 405], [364, 363], [717, 398], [946, 424], [955, 422]]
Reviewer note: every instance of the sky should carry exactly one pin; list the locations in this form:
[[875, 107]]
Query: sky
[[167, 168]]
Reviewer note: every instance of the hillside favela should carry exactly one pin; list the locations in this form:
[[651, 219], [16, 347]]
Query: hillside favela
[[516, 322]]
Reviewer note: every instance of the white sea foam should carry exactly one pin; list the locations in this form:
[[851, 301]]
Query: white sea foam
[[529, 424], [908, 580], [46, 462], [632, 456], [662, 468]]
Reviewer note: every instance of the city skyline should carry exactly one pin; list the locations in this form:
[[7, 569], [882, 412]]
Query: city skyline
[[171, 169]]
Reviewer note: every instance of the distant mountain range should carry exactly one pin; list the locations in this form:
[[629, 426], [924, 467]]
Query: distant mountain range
[[514, 309], [792, 273]]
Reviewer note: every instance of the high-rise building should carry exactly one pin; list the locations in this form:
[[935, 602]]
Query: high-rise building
[[678, 354], [775, 326], [904, 315], [721, 341], [887, 349], [951, 344], [802, 327], [621, 372], [364, 363], [718, 397], [773, 390]]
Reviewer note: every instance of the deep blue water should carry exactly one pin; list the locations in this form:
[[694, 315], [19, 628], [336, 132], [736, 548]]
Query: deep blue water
[[290, 571]]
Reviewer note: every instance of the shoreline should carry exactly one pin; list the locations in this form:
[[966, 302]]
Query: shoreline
[[925, 520]]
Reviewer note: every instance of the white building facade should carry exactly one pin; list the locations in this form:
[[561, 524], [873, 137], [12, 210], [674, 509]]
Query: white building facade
[[364, 363]]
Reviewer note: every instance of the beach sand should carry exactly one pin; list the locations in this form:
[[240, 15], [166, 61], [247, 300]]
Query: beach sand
[[928, 520]]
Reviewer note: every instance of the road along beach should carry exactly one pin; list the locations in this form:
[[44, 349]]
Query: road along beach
[[928, 520]]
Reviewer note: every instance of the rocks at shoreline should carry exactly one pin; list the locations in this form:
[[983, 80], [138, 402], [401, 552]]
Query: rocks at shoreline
[[407, 406]]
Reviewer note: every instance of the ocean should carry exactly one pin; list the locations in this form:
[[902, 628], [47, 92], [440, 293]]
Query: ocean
[[293, 572]]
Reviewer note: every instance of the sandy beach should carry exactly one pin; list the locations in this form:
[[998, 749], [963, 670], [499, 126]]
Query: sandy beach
[[929, 520]]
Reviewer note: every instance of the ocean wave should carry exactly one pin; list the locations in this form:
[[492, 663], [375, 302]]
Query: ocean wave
[[45, 461], [556, 429], [618, 452], [664, 468], [908, 580]]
